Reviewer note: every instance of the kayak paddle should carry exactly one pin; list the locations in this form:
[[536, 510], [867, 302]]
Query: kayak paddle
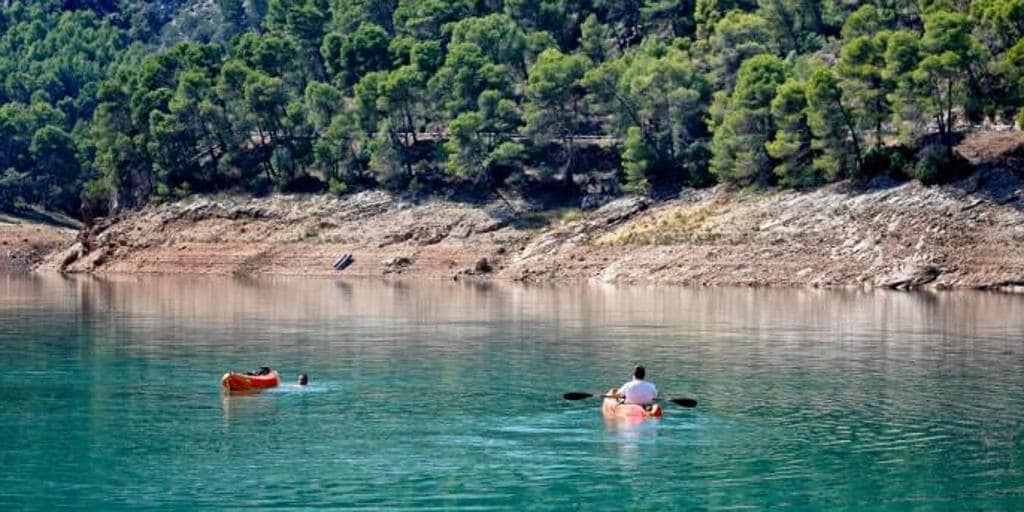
[[577, 395], [684, 402]]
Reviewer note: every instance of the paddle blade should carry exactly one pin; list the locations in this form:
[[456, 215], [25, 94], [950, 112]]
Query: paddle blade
[[576, 395], [684, 402]]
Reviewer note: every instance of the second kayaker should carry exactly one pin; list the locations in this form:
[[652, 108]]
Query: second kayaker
[[638, 391]]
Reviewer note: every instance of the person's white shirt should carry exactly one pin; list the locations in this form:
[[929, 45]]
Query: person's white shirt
[[639, 392]]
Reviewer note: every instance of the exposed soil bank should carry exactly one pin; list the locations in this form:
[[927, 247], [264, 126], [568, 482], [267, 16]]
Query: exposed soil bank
[[970, 235], [298, 235], [898, 235], [25, 244], [906, 236]]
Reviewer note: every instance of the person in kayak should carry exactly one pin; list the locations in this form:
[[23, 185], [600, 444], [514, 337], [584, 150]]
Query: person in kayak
[[638, 391], [303, 379]]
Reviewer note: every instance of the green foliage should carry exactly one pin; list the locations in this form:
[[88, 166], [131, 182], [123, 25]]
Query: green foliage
[[1009, 70], [866, 21], [902, 55], [951, 55], [554, 102], [938, 163], [637, 161], [111, 104], [351, 56], [466, 73], [795, 24], [479, 146], [998, 23], [865, 87], [273, 54], [467, 153], [708, 12], [324, 102], [497, 36], [739, 153], [234, 15], [554, 96], [595, 39], [791, 147], [661, 100], [425, 19], [892, 161], [557, 18], [735, 38], [837, 139], [388, 159]]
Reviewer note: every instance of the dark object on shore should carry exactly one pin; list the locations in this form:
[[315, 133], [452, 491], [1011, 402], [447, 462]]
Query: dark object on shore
[[303, 379], [483, 266], [911, 277], [343, 261]]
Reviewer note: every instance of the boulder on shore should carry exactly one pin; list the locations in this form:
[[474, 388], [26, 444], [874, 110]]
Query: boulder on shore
[[910, 277]]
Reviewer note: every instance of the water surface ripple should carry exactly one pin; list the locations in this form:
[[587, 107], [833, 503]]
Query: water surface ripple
[[435, 396]]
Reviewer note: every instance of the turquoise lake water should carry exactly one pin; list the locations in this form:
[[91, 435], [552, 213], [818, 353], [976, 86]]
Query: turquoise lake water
[[431, 395]]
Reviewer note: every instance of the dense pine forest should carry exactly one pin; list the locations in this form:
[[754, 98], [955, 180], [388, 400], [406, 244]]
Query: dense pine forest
[[110, 104]]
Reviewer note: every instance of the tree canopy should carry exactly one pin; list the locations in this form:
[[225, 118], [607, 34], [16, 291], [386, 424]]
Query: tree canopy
[[112, 104]]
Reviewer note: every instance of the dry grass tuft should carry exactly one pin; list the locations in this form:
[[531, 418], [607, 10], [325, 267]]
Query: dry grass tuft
[[677, 224]]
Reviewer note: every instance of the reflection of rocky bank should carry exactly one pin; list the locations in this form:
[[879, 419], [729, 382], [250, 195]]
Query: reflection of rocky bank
[[249, 305], [968, 235]]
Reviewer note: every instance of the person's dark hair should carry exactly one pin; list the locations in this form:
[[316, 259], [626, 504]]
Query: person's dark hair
[[303, 379], [639, 372]]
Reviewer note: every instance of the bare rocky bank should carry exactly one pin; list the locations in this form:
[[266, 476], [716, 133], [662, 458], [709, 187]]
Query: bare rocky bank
[[966, 235], [25, 245]]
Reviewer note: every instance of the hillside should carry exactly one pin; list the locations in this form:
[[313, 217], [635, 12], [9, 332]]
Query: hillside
[[738, 141], [112, 105], [969, 234]]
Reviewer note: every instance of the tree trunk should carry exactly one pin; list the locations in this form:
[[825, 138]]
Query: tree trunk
[[949, 112], [854, 136]]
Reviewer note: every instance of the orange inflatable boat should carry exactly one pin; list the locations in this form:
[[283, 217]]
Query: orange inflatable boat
[[613, 409], [233, 381]]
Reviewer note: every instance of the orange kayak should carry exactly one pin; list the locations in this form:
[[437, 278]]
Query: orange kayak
[[613, 409], [233, 381]]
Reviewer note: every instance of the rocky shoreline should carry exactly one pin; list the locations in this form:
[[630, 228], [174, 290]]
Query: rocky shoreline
[[888, 235], [25, 244], [899, 235]]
